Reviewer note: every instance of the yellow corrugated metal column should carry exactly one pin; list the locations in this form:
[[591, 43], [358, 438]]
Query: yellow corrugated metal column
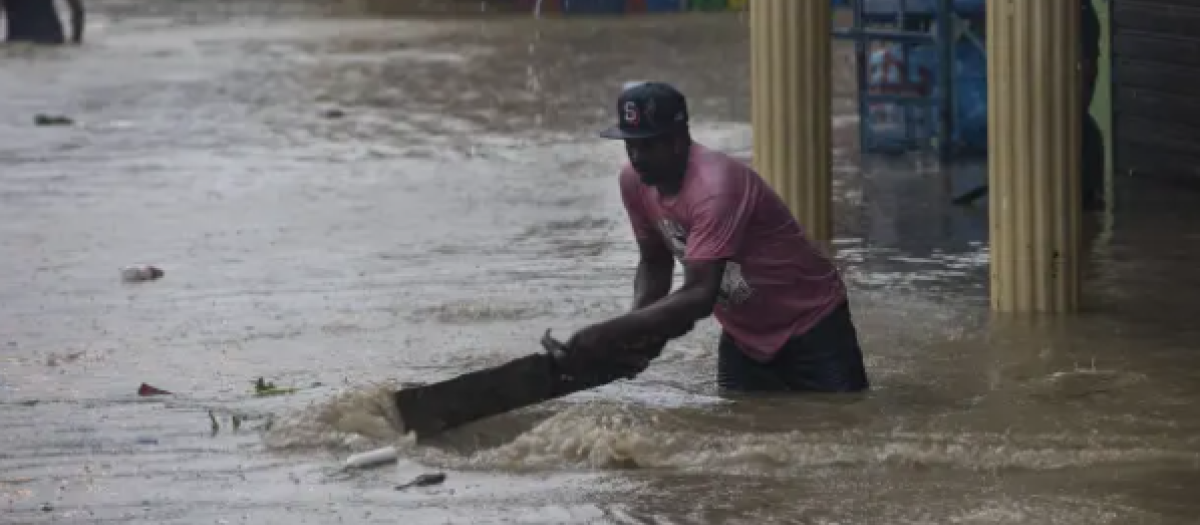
[[1034, 154], [790, 72]]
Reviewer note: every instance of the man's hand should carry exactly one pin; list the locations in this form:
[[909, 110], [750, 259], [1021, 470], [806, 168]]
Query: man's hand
[[666, 319], [600, 346], [626, 360], [593, 342], [635, 358]]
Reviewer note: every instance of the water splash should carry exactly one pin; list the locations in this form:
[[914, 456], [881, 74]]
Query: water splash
[[606, 435]]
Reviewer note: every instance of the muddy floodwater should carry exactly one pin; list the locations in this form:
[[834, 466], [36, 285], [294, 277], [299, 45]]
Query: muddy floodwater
[[342, 204]]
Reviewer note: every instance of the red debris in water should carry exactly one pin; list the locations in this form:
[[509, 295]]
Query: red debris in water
[[147, 390]]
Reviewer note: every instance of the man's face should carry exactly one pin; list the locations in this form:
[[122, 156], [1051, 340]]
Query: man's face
[[659, 159]]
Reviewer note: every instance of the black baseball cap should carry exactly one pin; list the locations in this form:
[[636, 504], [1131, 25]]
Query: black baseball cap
[[648, 109]]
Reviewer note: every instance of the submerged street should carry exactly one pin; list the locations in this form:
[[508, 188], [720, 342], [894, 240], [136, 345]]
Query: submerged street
[[345, 203]]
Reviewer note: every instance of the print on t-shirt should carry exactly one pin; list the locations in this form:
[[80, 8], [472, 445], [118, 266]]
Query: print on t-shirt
[[734, 288]]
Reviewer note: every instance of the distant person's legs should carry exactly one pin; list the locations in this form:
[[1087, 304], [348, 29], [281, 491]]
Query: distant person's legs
[[1092, 165], [1092, 138], [33, 21]]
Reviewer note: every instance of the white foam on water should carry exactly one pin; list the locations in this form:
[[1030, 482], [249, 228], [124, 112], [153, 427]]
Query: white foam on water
[[584, 437], [357, 420], [594, 434]]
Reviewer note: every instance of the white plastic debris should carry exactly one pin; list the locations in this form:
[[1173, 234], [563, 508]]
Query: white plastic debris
[[372, 458]]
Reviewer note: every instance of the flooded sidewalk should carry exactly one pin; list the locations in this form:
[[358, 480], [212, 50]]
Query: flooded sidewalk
[[343, 204]]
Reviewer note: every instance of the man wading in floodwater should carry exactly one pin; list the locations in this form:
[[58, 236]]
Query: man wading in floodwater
[[780, 300], [36, 21]]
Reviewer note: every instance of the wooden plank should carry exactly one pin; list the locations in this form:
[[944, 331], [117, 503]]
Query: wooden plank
[[1140, 158], [428, 410], [1161, 134], [1151, 105], [1163, 78], [1142, 48], [1156, 64], [1157, 17]]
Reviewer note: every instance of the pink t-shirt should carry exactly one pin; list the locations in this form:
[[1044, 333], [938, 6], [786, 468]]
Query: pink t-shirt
[[777, 284]]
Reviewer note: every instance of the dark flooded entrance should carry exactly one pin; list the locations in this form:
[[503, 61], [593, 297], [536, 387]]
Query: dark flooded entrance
[[349, 202]]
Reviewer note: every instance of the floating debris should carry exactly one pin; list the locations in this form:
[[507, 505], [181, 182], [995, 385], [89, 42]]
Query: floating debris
[[52, 120], [147, 390], [372, 458], [424, 480], [264, 388], [139, 273]]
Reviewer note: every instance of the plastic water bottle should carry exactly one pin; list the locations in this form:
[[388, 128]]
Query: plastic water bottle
[[373, 458], [139, 273]]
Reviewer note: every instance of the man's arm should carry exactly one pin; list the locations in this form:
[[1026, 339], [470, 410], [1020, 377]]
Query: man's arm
[[674, 315], [77, 17], [655, 261], [718, 222], [654, 272], [716, 233]]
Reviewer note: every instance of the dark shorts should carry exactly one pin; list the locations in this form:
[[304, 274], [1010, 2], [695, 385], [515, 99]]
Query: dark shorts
[[827, 358]]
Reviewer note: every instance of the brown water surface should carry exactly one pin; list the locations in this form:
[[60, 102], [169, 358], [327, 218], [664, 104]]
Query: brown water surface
[[455, 205]]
